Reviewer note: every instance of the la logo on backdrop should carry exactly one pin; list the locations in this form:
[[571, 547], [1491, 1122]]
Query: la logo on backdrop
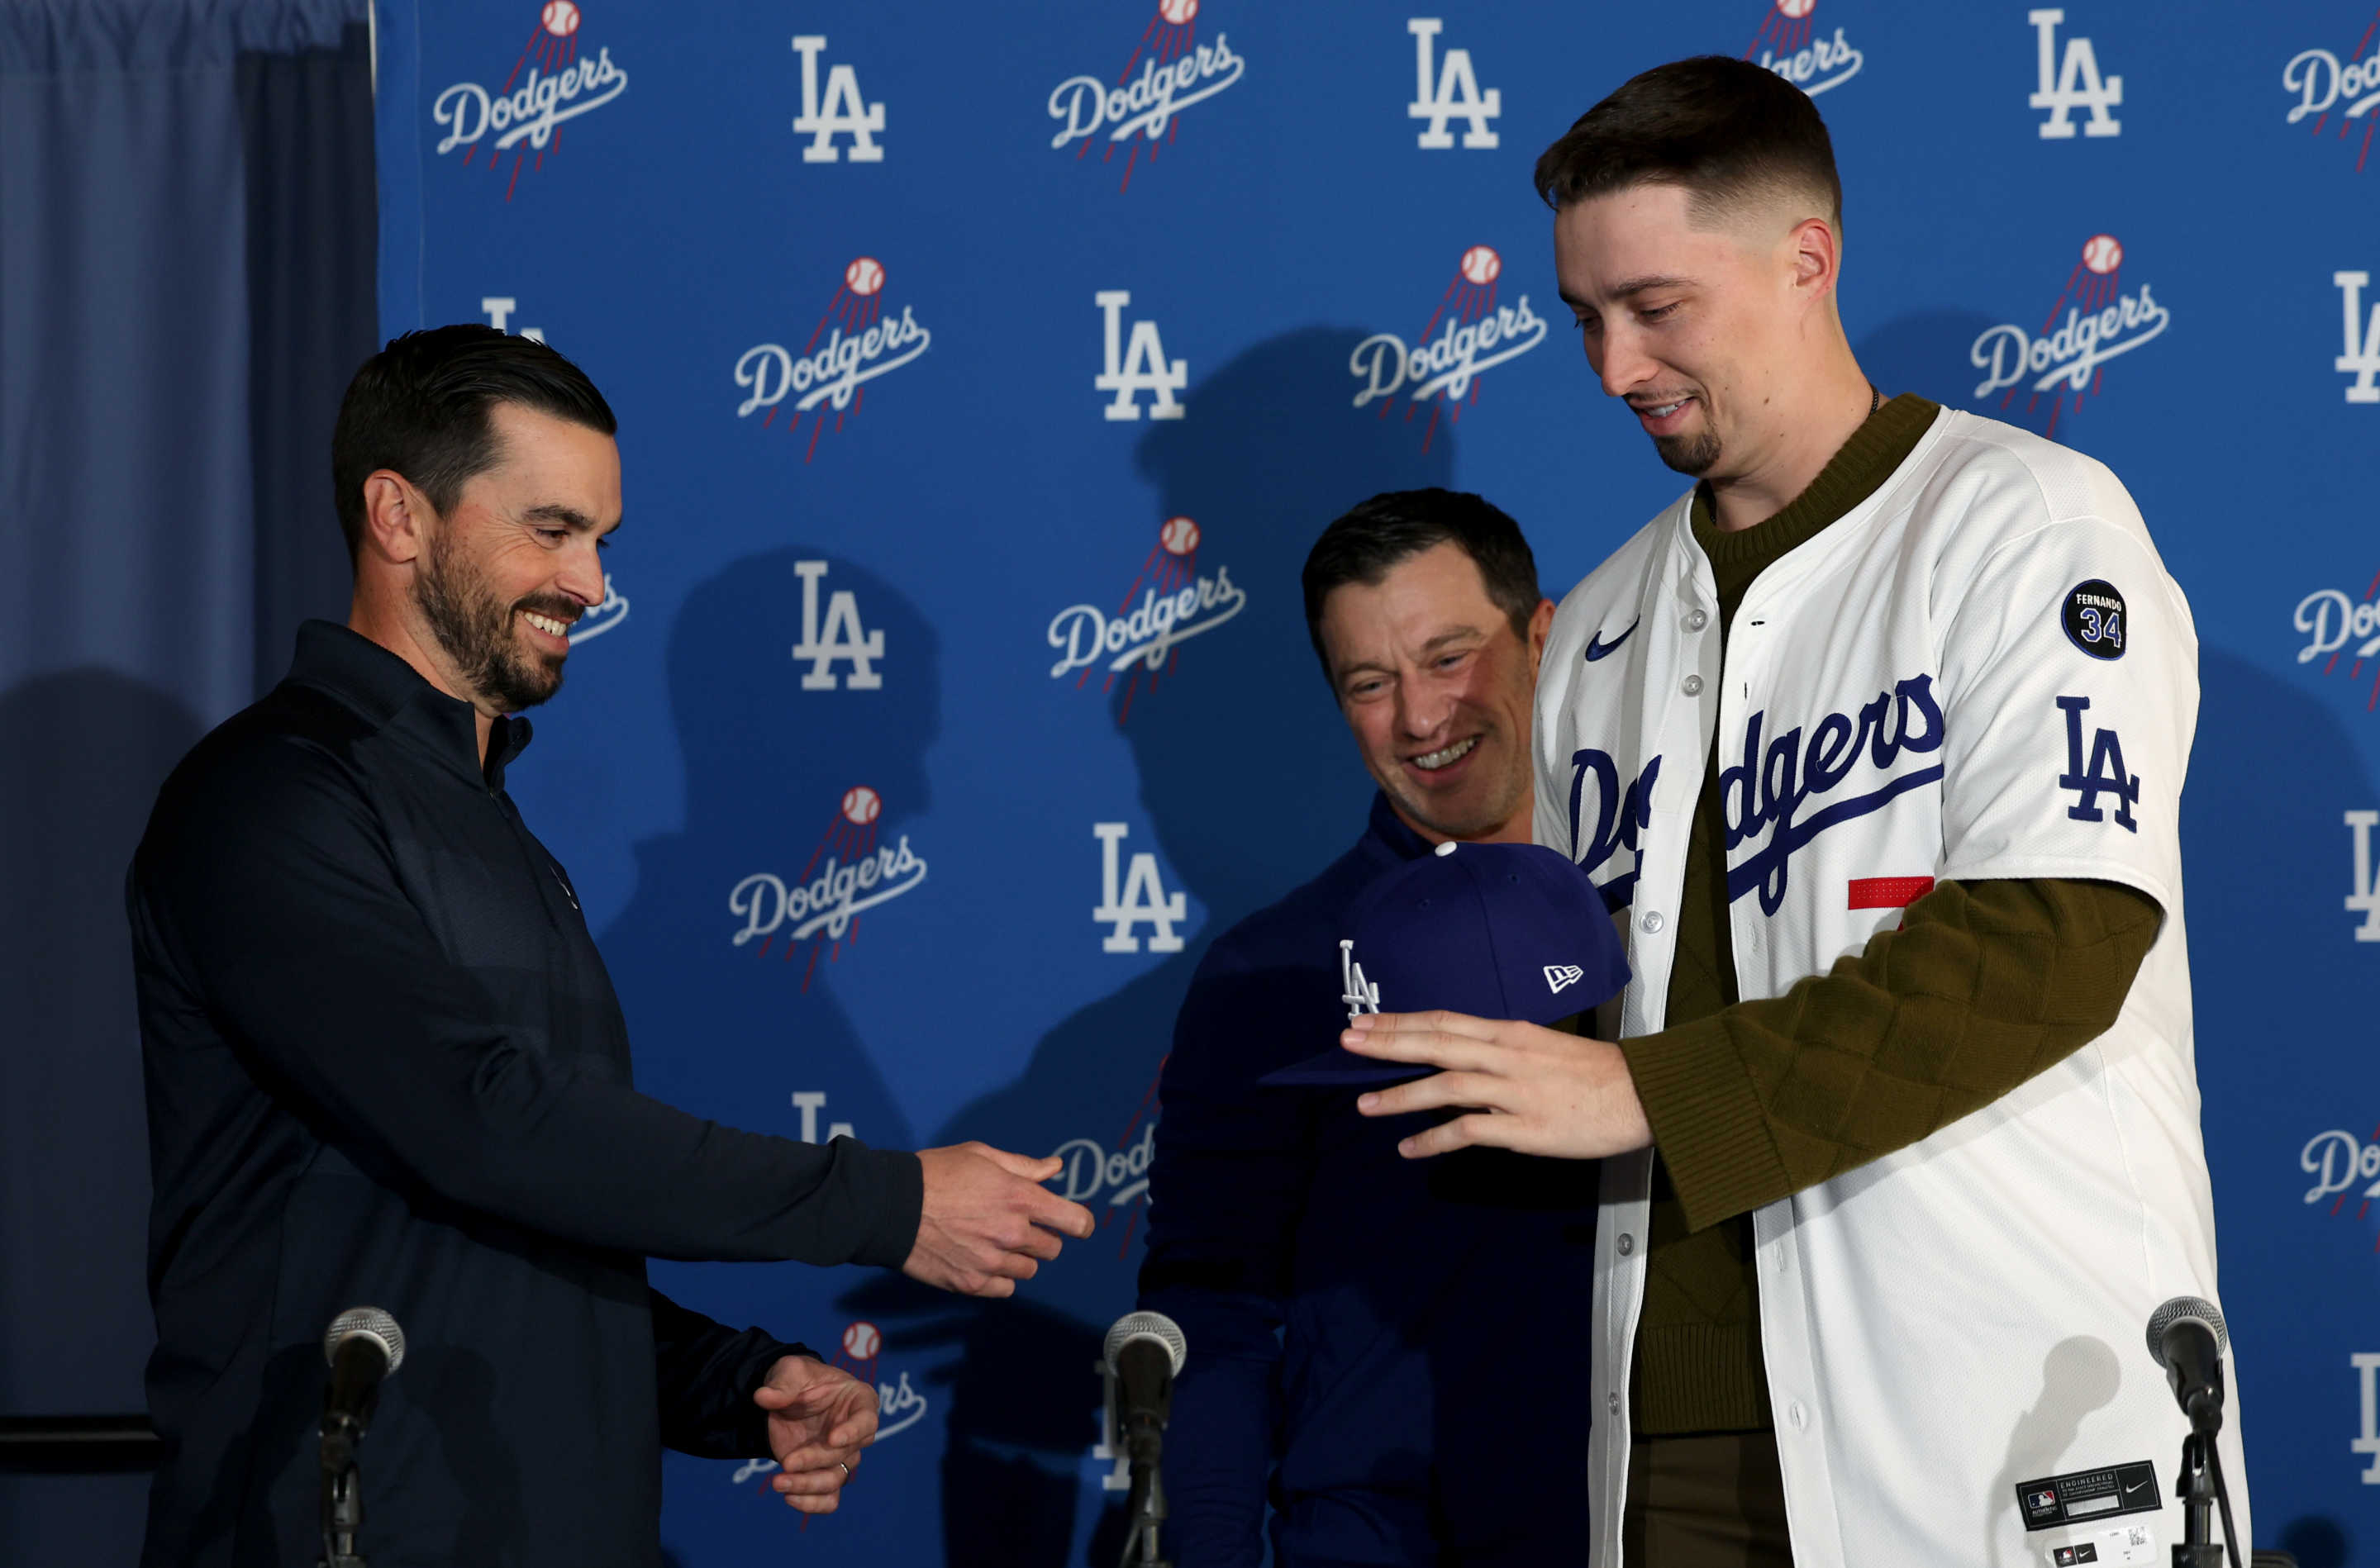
[[1468, 335], [1175, 72], [853, 343], [1784, 43], [548, 84], [2093, 321], [1170, 602], [2325, 86]]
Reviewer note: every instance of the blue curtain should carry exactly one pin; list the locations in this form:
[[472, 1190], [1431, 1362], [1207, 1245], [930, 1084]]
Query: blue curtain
[[186, 231]]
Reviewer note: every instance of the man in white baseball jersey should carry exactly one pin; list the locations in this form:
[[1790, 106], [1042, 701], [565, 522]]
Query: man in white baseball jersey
[[1875, 741]]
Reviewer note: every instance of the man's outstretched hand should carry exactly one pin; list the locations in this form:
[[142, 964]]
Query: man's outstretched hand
[[988, 1222], [1519, 1086], [819, 1417]]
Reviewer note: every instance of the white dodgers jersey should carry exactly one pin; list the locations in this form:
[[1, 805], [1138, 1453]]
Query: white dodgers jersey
[[1982, 671]]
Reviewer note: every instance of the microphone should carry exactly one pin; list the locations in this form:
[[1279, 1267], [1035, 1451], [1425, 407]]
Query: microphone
[[1144, 1352], [363, 1347], [2188, 1339]]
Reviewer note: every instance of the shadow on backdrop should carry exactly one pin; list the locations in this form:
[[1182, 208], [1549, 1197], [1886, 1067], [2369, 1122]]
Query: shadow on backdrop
[[732, 1029], [1251, 784], [81, 754], [2240, 830], [712, 1016]]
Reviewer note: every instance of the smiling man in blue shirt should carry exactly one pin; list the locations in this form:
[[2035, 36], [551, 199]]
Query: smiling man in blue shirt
[[1362, 1336]]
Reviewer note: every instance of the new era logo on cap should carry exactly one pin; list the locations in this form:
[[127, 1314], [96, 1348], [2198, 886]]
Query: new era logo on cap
[[1560, 976]]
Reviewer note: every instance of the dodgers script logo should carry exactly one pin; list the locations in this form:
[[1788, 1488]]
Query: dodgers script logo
[[860, 344], [2343, 1167], [1170, 602], [1467, 335], [2323, 84], [1176, 71], [2336, 626], [603, 618], [2093, 321], [846, 873], [526, 113], [1114, 1177], [1783, 45], [1770, 789]]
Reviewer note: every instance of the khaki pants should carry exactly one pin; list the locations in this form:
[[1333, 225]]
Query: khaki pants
[[1714, 1500]]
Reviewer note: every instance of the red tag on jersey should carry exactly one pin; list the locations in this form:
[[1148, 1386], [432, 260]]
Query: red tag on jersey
[[1889, 892]]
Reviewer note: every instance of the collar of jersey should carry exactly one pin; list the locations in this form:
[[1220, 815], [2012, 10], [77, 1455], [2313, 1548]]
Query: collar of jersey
[[1815, 554]]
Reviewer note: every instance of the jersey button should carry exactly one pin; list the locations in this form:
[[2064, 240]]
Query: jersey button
[[1692, 685], [1611, 1403], [1697, 620], [1627, 1244], [1652, 922]]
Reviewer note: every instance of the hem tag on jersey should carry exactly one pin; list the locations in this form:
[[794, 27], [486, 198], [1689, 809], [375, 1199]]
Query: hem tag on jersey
[[2132, 1544], [2089, 1494]]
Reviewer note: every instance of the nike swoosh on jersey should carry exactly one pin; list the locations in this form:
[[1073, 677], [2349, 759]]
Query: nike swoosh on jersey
[[1597, 647]]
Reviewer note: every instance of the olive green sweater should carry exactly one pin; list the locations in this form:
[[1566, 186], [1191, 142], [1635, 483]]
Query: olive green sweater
[[1985, 985]]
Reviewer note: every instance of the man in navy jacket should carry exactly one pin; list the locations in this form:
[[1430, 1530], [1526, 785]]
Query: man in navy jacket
[[385, 1065], [1366, 1338]]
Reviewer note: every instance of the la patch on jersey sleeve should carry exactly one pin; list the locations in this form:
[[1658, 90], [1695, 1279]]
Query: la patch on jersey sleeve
[[2071, 691]]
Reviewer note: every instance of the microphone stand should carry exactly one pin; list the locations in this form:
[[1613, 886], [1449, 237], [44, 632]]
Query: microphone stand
[[2195, 1486], [343, 1514], [1144, 1511]]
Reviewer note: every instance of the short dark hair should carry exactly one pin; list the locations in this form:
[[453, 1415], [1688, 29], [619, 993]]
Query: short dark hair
[[420, 407], [1726, 130], [1362, 547]]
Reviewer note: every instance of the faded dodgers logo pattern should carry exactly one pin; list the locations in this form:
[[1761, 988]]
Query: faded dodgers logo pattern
[[524, 114], [1062, 334]]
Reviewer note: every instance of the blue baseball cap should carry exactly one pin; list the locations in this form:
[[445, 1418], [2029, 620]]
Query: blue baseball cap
[[1498, 931]]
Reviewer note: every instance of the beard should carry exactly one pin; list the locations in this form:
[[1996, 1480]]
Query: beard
[[476, 630], [1693, 455]]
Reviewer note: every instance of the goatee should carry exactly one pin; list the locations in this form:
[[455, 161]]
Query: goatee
[[1692, 455]]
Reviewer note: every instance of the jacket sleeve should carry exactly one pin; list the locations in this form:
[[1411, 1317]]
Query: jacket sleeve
[[1227, 1187], [271, 895], [1985, 985], [706, 1374]]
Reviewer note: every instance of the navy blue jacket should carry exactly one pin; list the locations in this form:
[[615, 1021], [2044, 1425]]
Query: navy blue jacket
[[1391, 1350], [385, 1067]]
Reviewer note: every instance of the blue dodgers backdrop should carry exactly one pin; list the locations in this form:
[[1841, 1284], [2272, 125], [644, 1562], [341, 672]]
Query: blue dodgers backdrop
[[984, 374]]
